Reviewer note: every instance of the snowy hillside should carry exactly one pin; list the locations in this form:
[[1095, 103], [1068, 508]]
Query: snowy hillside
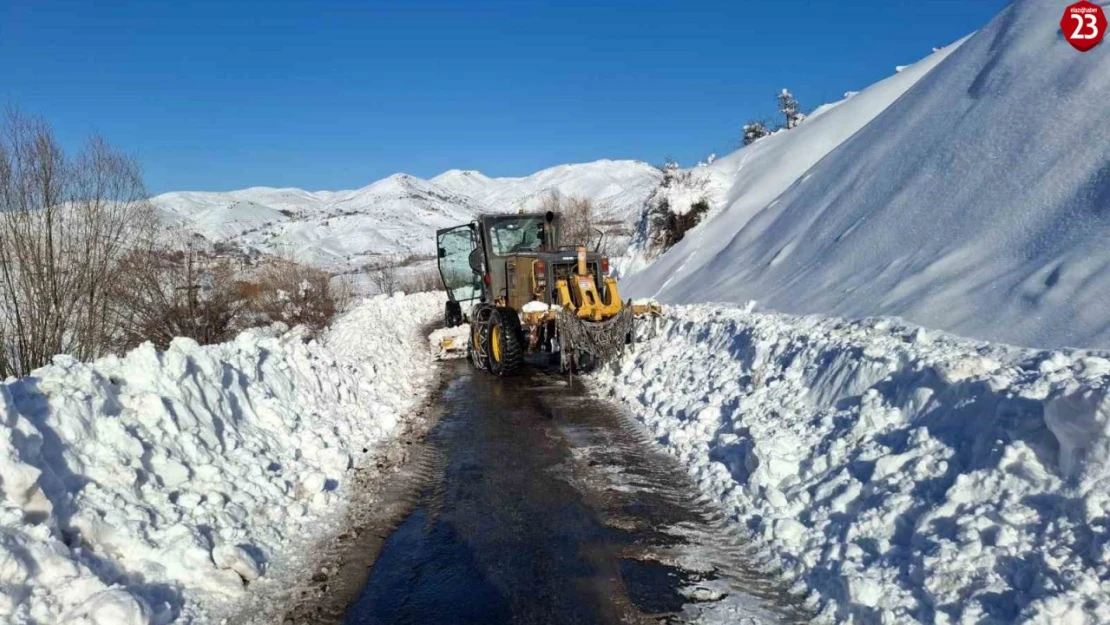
[[743, 183], [974, 203], [397, 215], [617, 188]]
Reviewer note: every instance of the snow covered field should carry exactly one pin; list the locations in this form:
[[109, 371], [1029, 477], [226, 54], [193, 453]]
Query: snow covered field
[[153, 486], [894, 474]]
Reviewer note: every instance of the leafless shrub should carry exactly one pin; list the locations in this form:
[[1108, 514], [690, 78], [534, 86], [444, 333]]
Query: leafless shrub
[[670, 227], [414, 259], [206, 297], [421, 281], [296, 294], [579, 222], [385, 277], [170, 293], [66, 226]]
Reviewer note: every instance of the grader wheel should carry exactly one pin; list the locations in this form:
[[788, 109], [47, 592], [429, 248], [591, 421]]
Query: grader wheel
[[505, 353]]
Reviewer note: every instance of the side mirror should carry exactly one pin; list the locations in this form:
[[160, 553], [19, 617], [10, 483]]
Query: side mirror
[[442, 252], [477, 264]]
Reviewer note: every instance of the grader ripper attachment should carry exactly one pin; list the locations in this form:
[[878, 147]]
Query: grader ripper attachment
[[524, 295]]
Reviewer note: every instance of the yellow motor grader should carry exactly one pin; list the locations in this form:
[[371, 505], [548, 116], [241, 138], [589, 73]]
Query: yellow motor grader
[[523, 294]]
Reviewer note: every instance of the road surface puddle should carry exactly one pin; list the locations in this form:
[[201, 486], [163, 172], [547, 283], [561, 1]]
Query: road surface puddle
[[552, 507]]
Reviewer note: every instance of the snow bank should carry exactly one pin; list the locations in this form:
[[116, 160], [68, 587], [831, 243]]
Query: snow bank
[[151, 487], [740, 185], [975, 203], [893, 474]]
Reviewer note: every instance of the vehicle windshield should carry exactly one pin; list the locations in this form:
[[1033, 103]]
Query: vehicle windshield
[[512, 236]]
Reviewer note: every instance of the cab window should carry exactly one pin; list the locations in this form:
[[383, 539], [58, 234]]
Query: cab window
[[513, 236]]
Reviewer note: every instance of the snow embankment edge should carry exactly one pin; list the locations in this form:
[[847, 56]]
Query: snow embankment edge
[[891, 473], [157, 486]]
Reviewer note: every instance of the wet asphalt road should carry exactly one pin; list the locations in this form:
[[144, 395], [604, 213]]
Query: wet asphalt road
[[548, 506]]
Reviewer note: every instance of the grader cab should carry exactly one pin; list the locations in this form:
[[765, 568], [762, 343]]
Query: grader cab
[[524, 294]]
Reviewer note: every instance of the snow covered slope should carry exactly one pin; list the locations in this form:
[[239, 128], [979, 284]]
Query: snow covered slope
[[155, 486], [894, 474], [335, 230], [743, 183], [976, 203], [617, 188], [397, 215]]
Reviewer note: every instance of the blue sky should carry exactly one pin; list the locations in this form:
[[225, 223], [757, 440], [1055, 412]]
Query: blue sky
[[328, 95]]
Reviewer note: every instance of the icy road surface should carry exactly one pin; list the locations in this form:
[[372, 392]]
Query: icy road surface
[[549, 506]]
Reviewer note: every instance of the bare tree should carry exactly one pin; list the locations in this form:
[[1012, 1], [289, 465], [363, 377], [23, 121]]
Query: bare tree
[[423, 280], [177, 292], [385, 276], [578, 223], [66, 225]]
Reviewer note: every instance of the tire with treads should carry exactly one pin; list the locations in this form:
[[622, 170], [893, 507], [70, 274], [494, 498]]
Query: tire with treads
[[506, 342]]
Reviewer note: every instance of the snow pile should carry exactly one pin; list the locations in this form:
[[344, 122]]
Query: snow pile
[[893, 474], [975, 203], [740, 185], [145, 488]]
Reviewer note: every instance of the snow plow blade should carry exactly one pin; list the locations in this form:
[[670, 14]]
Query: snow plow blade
[[585, 344], [449, 343]]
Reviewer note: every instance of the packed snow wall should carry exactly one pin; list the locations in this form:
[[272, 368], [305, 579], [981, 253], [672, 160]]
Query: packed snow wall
[[151, 487], [892, 473], [976, 202]]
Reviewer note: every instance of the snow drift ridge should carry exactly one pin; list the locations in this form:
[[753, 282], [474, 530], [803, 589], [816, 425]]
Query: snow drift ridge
[[148, 487], [893, 474], [975, 203]]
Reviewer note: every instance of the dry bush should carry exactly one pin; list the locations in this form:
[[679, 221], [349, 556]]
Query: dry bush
[[66, 226], [296, 294], [669, 227], [579, 223], [421, 281], [170, 293], [385, 277], [414, 259]]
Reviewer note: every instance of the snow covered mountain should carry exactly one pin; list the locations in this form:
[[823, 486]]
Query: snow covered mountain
[[397, 215], [617, 188], [975, 202]]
